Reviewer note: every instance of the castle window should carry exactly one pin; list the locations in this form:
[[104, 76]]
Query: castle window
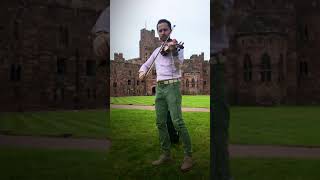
[[192, 83], [88, 93], [15, 72], [306, 32], [187, 83], [247, 68], [61, 66], [204, 83], [303, 69], [281, 71], [129, 82], [94, 92], [138, 82], [62, 93], [265, 68], [63, 36], [114, 84], [91, 67], [16, 32]]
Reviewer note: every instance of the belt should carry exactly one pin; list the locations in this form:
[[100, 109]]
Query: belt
[[169, 81]]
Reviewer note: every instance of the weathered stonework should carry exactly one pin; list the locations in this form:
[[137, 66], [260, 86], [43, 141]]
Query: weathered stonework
[[47, 61], [124, 79], [274, 52]]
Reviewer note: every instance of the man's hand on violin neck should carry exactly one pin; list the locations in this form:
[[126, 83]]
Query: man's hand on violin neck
[[172, 44]]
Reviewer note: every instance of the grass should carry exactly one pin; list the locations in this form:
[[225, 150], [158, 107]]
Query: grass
[[135, 145], [200, 101], [275, 125], [275, 169], [248, 125], [30, 164], [135, 140], [55, 123]]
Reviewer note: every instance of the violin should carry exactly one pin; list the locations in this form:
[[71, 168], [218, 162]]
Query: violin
[[171, 46]]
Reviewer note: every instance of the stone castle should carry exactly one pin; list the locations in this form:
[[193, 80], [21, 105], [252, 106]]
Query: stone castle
[[124, 79], [46, 56], [274, 54]]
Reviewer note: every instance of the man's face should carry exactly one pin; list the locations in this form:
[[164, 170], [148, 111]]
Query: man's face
[[163, 31]]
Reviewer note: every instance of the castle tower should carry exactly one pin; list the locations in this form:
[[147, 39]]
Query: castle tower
[[148, 43]]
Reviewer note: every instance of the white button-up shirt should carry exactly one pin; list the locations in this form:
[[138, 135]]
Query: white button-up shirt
[[165, 66], [103, 22]]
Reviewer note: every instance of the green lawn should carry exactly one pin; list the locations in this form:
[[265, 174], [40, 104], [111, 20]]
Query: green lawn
[[31, 164], [93, 123], [135, 144], [275, 125], [202, 101], [248, 125], [135, 140]]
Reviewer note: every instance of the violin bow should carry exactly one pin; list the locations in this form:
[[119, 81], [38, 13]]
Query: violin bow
[[162, 46]]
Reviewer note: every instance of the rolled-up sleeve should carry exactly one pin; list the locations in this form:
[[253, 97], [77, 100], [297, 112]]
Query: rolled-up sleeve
[[181, 56], [103, 22], [144, 67]]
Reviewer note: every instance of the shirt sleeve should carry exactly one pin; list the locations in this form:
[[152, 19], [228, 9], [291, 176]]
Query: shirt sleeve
[[181, 55], [103, 22], [148, 63]]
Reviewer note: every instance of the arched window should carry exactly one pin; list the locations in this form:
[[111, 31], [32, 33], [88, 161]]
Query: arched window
[[247, 68], [15, 72], [187, 83], [265, 68], [16, 30], [129, 82], [193, 83], [281, 66], [303, 67], [306, 71], [306, 32], [88, 93], [91, 67]]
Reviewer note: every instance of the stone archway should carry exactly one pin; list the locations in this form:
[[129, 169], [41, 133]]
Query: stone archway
[[153, 90]]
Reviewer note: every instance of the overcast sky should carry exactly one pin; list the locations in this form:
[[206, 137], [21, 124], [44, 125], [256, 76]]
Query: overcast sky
[[128, 17]]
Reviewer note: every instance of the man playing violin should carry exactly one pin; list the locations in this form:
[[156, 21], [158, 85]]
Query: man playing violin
[[168, 96]]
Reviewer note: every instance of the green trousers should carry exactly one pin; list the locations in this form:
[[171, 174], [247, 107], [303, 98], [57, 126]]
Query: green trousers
[[168, 97]]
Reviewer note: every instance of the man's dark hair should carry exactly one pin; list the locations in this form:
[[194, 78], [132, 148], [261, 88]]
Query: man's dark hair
[[164, 21]]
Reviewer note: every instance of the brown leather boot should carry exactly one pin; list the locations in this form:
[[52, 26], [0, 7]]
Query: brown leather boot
[[164, 158], [187, 164]]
